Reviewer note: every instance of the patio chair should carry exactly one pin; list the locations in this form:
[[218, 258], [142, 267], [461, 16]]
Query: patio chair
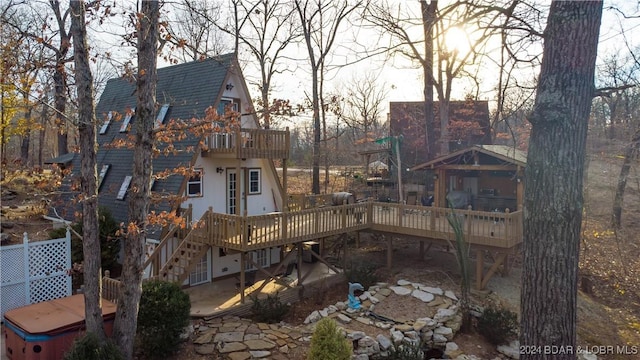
[[249, 279]]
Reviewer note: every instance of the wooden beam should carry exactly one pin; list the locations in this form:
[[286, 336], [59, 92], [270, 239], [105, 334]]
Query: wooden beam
[[478, 167]]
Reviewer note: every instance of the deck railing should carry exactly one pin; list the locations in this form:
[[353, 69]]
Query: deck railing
[[250, 143], [242, 233]]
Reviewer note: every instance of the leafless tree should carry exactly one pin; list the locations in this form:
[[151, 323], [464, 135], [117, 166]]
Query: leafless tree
[[89, 184], [321, 23], [554, 176]]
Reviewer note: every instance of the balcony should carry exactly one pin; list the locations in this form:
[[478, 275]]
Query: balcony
[[249, 144]]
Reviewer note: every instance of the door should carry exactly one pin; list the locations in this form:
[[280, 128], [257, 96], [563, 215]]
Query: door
[[200, 274], [233, 181]]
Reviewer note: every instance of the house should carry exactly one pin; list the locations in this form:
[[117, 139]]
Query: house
[[485, 177], [228, 170]]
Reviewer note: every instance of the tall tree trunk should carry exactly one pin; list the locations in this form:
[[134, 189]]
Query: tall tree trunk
[[87, 133], [24, 145], [127, 314], [630, 154], [428, 21], [554, 177], [41, 140], [315, 179]]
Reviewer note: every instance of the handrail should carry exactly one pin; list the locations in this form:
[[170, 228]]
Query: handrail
[[250, 143]]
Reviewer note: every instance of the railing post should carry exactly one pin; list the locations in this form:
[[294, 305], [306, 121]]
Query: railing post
[[507, 228], [468, 217], [27, 279]]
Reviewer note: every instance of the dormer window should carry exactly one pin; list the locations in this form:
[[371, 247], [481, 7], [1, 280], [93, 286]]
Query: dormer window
[[194, 184], [105, 124], [162, 113], [127, 119], [103, 173], [124, 187]]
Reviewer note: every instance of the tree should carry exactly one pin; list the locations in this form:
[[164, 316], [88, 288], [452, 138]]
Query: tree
[[146, 81], [554, 176], [89, 179], [320, 27]]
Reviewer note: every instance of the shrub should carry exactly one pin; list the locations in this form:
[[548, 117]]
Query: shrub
[[328, 343], [163, 315], [362, 272], [406, 351], [270, 309], [109, 242], [89, 346], [498, 325]]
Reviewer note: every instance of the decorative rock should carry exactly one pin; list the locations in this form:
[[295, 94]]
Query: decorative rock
[[313, 317], [331, 309], [361, 357], [403, 327], [384, 292], [384, 342], [422, 295], [259, 344], [451, 346], [363, 320], [403, 282], [433, 290], [229, 347], [443, 330], [356, 335], [512, 350], [324, 313], [259, 354], [397, 336], [284, 349], [413, 335], [242, 355], [344, 318], [444, 315], [439, 339], [374, 300], [341, 305], [204, 339], [451, 295], [229, 337], [399, 290]]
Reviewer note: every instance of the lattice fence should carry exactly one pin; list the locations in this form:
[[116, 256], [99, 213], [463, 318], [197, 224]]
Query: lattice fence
[[32, 272]]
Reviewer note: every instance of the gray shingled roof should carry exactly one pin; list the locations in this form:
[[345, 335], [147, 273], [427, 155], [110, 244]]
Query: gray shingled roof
[[190, 89]]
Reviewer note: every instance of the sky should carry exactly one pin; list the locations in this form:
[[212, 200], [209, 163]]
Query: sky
[[402, 80]]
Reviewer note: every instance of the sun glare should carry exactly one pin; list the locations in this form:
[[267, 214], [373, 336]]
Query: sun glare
[[456, 39]]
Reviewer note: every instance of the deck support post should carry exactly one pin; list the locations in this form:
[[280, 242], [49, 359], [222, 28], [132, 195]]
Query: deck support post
[[492, 270], [242, 266], [421, 253], [506, 266], [389, 252], [479, 268]]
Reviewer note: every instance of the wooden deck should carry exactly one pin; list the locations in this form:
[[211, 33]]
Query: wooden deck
[[489, 229]]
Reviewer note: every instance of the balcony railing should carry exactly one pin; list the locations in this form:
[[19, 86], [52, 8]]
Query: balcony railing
[[250, 143]]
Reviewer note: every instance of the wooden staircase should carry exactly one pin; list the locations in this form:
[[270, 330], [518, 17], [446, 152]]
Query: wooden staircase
[[174, 263]]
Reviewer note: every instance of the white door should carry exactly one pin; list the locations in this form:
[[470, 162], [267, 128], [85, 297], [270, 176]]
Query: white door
[[201, 274], [233, 205]]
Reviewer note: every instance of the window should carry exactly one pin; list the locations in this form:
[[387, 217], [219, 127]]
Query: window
[[124, 187], [105, 124], [194, 185], [226, 103], [103, 173], [254, 182], [162, 113], [127, 119]]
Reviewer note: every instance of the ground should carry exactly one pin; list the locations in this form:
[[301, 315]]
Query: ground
[[609, 302]]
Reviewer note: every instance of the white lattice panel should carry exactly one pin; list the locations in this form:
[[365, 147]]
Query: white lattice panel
[[45, 279], [12, 264]]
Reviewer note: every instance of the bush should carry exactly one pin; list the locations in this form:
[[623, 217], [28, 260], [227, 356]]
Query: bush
[[163, 315], [328, 343], [270, 309], [362, 272], [406, 351], [498, 325], [89, 346], [109, 242]]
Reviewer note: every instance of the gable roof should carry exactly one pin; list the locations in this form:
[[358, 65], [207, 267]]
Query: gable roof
[[502, 153], [189, 89], [407, 119]]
